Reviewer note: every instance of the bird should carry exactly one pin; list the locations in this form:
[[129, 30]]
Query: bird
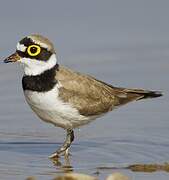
[[62, 96]]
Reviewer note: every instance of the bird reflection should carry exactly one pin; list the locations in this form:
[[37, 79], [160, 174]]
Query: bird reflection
[[63, 167]]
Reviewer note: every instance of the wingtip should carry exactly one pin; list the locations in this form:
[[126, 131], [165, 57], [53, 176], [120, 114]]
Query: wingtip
[[154, 94], [158, 93], [151, 94]]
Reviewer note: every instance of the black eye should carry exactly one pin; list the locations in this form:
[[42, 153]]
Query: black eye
[[33, 50]]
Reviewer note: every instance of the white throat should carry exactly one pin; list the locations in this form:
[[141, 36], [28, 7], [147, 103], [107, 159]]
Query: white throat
[[34, 67]]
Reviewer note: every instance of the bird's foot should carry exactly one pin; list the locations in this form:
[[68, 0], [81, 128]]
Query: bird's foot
[[64, 149], [55, 155]]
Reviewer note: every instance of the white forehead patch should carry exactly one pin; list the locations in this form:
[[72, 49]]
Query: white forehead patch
[[21, 47]]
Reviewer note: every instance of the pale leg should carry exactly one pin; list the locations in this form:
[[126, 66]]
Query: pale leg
[[64, 148]]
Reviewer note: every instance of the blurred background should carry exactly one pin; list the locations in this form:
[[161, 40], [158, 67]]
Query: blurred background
[[122, 42]]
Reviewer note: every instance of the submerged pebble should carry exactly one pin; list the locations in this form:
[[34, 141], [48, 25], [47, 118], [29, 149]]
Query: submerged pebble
[[76, 176]]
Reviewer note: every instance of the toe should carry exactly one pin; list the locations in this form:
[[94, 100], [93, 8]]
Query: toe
[[54, 155]]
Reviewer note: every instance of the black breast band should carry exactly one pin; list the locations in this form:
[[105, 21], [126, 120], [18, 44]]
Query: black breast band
[[41, 83]]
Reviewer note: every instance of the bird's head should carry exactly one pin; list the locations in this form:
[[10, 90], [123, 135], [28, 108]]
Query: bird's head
[[36, 53]]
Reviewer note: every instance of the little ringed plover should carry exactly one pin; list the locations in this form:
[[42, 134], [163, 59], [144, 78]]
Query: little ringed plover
[[63, 97]]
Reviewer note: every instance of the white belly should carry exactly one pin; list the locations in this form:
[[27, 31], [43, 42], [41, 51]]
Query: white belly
[[50, 108]]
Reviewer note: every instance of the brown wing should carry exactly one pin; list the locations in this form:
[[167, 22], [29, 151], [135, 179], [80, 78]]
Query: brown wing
[[90, 96]]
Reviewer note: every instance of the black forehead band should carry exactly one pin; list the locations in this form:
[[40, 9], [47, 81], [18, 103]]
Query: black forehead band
[[43, 56], [27, 42]]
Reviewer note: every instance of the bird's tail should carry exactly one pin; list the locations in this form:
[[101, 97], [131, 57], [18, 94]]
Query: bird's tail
[[144, 94]]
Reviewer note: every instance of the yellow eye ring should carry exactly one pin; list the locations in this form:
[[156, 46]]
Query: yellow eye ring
[[33, 50]]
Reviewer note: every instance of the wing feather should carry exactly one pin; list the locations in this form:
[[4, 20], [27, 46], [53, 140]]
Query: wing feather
[[91, 96]]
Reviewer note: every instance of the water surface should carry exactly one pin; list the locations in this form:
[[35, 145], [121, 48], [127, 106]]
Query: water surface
[[125, 44]]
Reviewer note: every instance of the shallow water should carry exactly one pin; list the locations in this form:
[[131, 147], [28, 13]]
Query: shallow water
[[126, 47], [136, 133]]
